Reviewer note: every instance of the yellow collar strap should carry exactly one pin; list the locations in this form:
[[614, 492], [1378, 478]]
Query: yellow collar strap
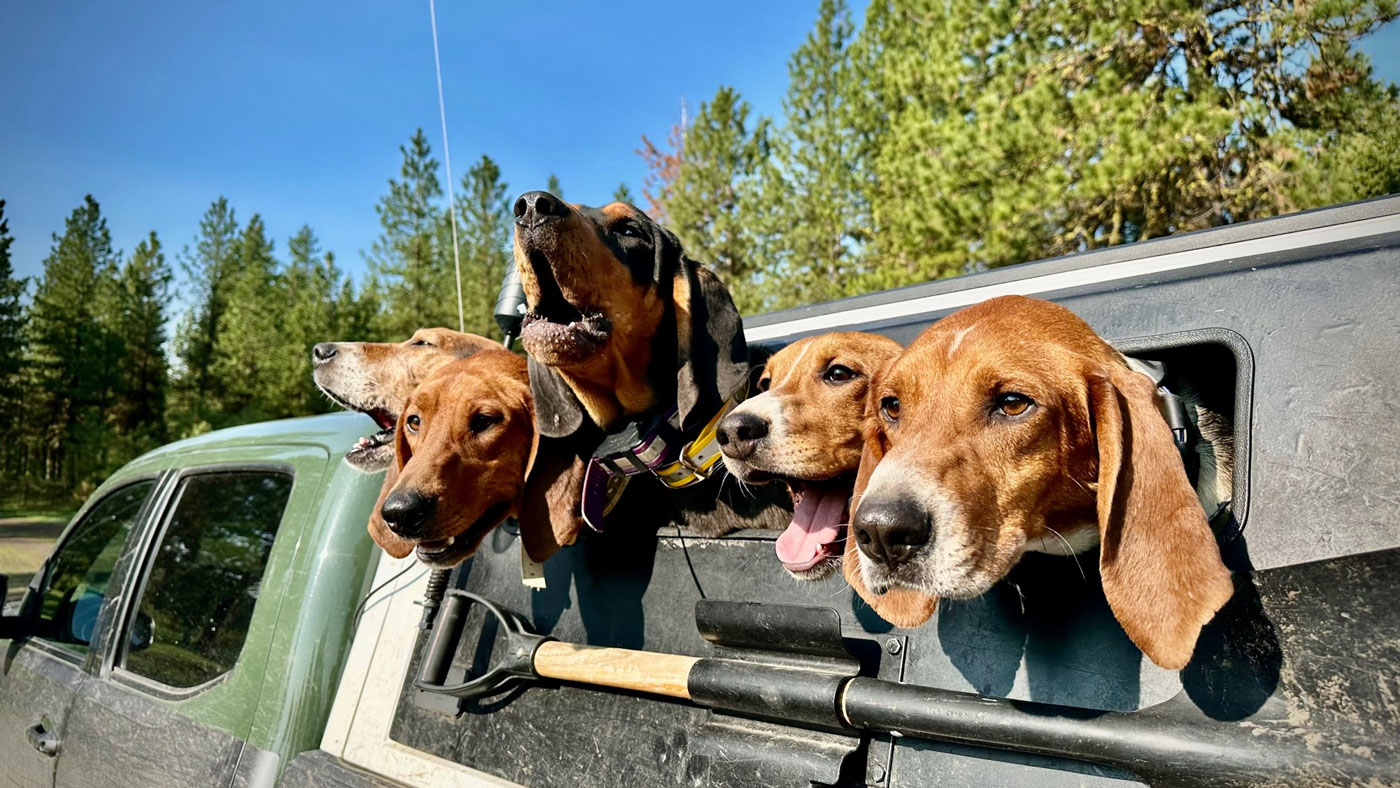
[[699, 457]]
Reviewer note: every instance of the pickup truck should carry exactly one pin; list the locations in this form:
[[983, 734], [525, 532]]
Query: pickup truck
[[216, 614]]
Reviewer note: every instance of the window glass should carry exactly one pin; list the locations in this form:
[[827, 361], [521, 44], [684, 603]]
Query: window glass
[[76, 582], [204, 579]]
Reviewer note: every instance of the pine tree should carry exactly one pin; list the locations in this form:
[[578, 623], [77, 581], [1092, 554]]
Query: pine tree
[[12, 324], [486, 238], [311, 287], [552, 186], [68, 347], [721, 157], [143, 292], [663, 167], [357, 311], [209, 270], [808, 201], [623, 194], [1013, 131], [250, 352], [410, 259]]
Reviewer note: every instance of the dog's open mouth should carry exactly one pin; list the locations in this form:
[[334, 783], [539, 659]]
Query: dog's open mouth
[[374, 452], [555, 330], [445, 553], [816, 537], [564, 333]]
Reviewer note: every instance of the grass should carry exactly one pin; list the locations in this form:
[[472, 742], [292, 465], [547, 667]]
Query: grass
[[25, 542]]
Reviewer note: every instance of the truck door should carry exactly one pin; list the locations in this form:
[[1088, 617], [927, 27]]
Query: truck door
[[172, 703], [41, 674]]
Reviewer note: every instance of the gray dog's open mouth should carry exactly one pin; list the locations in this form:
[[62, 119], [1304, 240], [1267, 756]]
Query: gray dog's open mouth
[[374, 452]]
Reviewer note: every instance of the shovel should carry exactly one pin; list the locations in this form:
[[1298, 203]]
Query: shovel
[[790, 665]]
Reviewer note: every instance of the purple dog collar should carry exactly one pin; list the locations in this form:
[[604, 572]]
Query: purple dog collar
[[639, 447]]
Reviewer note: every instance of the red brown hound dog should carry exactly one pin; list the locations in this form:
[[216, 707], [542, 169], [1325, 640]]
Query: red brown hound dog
[[1011, 426], [375, 378], [467, 456], [803, 428]]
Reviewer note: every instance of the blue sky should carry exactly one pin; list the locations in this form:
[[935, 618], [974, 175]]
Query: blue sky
[[296, 110]]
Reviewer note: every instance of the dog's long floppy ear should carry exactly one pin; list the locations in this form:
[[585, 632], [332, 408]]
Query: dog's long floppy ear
[[1162, 572], [550, 512], [712, 353], [558, 413], [902, 607], [378, 529]]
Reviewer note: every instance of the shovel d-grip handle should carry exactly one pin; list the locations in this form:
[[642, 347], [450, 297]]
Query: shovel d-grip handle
[[528, 656]]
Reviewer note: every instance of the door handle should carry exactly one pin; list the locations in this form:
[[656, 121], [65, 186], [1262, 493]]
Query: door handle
[[41, 739]]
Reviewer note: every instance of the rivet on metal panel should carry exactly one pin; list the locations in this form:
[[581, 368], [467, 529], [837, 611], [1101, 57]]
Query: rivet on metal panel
[[893, 646]]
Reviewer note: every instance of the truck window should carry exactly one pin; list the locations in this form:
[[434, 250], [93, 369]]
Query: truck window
[[75, 584], [204, 579]]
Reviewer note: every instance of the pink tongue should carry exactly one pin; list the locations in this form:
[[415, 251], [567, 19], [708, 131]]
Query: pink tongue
[[816, 523]]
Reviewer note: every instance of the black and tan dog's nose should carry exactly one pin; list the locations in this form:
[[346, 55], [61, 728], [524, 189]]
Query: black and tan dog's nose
[[408, 512], [891, 530], [533, 207], [323, 352], [739, 433]]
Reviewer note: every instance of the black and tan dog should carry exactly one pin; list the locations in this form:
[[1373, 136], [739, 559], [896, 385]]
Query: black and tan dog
[[803, 428], [621, 323], [376, 378]]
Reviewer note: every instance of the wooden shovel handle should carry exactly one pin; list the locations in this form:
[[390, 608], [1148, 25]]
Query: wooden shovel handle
[[620, 668]]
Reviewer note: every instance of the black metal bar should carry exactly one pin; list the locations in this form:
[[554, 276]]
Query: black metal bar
[[1171, 743], [790, 629], [442, 642], [784, 694]]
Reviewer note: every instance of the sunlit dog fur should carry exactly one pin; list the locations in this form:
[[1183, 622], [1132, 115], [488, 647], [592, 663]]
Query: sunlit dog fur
[[375, 378], [1011, 426], [620, 321], [467, 456], [808, 413]]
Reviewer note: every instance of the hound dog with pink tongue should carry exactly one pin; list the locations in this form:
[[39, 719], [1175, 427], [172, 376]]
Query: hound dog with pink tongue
[[803, 428]]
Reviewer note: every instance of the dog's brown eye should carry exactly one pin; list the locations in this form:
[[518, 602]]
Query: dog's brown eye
[[763, 384], [481, 422], [421, 343], [889, 408], [1013, 404], [838, 374], [412, 423]]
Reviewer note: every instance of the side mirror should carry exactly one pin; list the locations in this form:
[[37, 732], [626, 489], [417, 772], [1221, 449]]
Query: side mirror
[[143, 632], [11, 626]]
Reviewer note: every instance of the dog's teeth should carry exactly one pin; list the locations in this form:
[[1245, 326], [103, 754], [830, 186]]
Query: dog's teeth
[[450, 540]]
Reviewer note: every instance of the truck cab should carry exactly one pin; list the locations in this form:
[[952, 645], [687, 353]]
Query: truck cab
[[191, 623]]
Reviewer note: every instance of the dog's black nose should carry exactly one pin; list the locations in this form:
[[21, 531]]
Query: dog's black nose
[[323, 352], [531, 207], [891, 530], [407, 512], [739, 433]]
